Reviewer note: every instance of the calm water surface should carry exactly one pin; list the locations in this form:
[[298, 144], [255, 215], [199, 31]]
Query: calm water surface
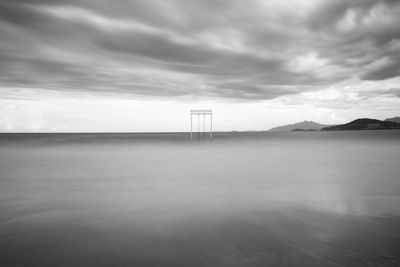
[[244, 199]]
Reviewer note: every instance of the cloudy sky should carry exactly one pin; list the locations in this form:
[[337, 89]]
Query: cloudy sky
[[140, 65]]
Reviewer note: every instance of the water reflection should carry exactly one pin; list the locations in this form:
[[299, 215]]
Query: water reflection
[[305, 199]]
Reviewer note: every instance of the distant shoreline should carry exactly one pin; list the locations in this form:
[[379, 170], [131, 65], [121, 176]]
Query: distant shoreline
[[217, 132]]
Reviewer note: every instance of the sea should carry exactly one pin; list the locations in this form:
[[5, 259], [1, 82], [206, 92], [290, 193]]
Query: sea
[[163, 199]]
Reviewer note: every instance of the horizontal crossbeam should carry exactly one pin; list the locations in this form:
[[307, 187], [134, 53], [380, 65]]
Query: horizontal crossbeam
[[201, 111]]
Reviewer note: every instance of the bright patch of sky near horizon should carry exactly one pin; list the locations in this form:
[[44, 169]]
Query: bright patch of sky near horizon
[[125, 66]]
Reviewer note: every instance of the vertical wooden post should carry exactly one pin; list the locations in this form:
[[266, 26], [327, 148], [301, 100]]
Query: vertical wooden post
[[198, 125], [191, 126], [204, 125], [211, 126]]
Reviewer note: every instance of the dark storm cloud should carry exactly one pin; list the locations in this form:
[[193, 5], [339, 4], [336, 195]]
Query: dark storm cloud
[[391, 92], [230, 49], [247, 91], [19, 14], [362, 32], [191, 58], [391, 68]]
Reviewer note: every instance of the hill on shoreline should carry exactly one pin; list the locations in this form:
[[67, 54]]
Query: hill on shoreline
[[364, 124], [299, 126], [394, 119]]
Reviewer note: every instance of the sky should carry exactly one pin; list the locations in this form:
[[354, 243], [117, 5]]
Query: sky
[[140, 65]]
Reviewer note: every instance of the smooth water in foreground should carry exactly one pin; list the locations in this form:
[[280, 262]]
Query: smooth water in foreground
[[244, 199]]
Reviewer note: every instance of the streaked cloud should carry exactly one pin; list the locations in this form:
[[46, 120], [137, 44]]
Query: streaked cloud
[[215, 48]]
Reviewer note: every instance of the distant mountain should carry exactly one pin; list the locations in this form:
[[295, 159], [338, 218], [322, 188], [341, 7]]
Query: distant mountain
[[364, 124], [300, 126], [394, 119]]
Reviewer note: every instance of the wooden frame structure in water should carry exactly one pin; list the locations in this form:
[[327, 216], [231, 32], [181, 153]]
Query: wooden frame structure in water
[[202, 112]]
